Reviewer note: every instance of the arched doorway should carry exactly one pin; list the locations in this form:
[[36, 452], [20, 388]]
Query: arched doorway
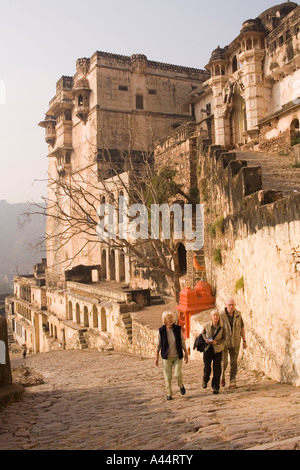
[[103, 320], [95, 317], [122, 266], [103, 264], [70, 311], [294, 131], [77, 313], [85, 316], [238, 119], [181, 258], [112, 265]]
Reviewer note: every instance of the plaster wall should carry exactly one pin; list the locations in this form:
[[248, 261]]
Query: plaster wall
[[268, 261]]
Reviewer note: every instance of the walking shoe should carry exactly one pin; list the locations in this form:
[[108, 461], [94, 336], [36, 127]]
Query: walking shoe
[[169, 397], [232, 386], [182, 390], [215, 391], [204, 384]]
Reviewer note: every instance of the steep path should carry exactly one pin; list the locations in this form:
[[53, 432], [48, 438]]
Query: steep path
[[111, 401]]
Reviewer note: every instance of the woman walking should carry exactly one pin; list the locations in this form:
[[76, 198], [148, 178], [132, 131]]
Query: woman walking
[[214, 336], [171, 343]]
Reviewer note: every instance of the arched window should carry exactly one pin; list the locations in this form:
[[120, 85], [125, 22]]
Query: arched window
[[234, 64], [80, 100]]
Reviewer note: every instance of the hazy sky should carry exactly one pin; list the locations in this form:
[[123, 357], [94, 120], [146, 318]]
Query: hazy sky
[[41, 40]]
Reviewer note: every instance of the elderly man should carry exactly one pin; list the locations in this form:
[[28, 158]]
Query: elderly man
[[234, 329]]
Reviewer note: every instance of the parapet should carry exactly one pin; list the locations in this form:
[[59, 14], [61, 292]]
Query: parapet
[[237, 186]]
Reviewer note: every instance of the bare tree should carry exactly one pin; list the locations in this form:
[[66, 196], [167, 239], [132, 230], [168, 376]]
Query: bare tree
[[76, 201]]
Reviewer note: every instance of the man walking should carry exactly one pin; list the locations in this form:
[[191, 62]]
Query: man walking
[[234, 329]]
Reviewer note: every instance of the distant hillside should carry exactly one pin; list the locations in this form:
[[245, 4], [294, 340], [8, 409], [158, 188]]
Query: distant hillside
[[17, 251]]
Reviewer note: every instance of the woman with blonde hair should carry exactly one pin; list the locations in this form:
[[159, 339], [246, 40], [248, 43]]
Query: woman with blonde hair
[[214, 335], [171, 343]]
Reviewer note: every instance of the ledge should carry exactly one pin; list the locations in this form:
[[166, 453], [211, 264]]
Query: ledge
[[9, 394]]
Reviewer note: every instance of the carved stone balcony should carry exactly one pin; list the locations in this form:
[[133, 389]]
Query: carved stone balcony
[[49, 124]]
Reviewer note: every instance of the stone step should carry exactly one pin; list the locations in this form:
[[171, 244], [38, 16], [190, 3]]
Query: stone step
[[157, 299]]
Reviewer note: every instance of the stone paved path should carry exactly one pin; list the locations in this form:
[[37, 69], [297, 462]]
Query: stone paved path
[[111, 401]]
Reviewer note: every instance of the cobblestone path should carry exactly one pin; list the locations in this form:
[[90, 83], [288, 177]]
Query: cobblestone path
[[112, 401]]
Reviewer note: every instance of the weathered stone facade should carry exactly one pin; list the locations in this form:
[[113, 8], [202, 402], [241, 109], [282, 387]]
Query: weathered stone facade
[[112, 105], [253, 95]]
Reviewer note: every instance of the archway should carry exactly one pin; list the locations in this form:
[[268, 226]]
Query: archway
[[103, 320], [294, 131], [103, 264], [122, 266], [181, 257], [85, 316], [77, 313], [112, 265], [95, 317], [238, 119], [70, 311]]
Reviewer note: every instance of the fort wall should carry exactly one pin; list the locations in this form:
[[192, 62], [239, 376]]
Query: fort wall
[[253, 255]]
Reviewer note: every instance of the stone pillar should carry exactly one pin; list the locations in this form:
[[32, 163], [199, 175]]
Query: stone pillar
[[5, 369], [254, 87], [222, 131]]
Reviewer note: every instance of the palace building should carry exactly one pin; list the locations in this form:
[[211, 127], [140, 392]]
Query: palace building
[[114, 111]]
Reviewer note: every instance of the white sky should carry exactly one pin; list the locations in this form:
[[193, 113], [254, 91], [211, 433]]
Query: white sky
[[40, 40]]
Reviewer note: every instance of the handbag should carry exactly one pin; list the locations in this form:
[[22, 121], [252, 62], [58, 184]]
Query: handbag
[[200, 343]]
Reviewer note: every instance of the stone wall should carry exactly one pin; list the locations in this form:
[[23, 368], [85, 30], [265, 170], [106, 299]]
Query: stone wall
[[254, 257], [5, 370], [9, 391], [143, 339]]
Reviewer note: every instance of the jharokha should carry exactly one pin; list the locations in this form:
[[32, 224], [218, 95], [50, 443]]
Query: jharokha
[[227, 137]]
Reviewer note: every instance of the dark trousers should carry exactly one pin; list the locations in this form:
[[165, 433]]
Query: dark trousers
[[209, 356]]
